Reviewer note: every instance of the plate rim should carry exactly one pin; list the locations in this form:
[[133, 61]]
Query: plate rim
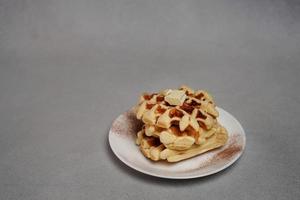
[[184, 177]]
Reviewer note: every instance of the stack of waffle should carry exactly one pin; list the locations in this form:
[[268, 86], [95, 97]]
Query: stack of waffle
[[178, 124]]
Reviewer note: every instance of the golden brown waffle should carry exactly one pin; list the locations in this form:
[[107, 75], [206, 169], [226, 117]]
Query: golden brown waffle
[[153, 149], [198, 106], [181, 120], [149, 146]]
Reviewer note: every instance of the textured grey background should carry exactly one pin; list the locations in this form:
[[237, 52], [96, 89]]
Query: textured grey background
[[69, 67]]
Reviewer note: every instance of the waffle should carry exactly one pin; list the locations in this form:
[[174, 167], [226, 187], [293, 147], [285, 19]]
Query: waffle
[[182, 123], [149, 146], [152, 148]]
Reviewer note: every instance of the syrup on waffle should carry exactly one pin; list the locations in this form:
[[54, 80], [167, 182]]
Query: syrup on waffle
[[181, 120]]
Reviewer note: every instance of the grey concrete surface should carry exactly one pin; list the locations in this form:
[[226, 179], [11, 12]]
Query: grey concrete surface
[[69, 67]]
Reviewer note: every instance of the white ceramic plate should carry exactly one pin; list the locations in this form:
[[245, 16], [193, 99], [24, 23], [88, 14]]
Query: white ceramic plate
[[122, 142]]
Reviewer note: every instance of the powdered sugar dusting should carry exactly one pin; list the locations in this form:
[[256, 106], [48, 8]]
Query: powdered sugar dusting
[[126, 124], [123, 133], [221, 155]]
